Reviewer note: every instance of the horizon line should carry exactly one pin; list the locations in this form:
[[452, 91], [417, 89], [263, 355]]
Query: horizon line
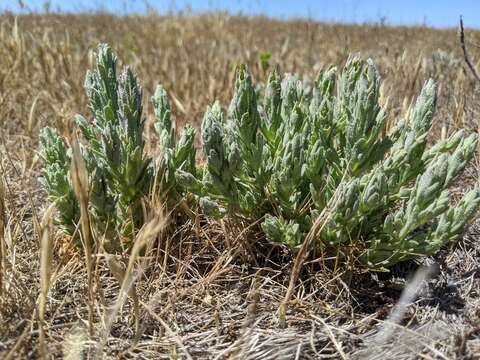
[[381, 21]]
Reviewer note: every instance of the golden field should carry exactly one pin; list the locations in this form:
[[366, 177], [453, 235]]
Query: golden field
[[193, 297]]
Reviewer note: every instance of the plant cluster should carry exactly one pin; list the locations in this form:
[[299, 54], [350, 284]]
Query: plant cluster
[[120, 173], [283, 153]]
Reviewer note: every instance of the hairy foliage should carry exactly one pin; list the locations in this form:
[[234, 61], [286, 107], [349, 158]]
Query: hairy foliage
[[56, 180], [283, 153], [120, 173]]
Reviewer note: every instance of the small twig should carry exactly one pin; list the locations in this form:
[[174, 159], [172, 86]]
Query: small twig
[[20, 339], [466, 56], [170, 332], [334, 341]]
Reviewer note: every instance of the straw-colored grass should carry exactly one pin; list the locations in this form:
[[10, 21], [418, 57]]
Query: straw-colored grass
[[192, 288]]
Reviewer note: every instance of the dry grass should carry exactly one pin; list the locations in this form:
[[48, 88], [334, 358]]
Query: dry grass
[[197, 291]]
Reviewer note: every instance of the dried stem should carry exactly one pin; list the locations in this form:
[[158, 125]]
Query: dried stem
[[3, 248], [466, 56], [45, 272], [79, 176]]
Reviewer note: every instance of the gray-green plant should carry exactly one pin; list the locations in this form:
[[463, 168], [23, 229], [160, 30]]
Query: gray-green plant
[[121, 174], [283, 153], [297, 149], [56, 180]]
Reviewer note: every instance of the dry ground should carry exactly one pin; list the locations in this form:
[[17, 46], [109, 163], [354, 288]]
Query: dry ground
[[197, 297]]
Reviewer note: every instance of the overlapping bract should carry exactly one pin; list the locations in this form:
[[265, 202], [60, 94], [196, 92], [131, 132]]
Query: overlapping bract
[[120, 173], [283, 153], [297, 149], [56, 180]]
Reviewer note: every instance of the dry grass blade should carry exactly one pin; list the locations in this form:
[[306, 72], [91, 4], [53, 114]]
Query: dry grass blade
[[408, 296], [78, 172], [3, 247], [331, 336], [46, 247], [119, 273], [306, 247], [31, 117], [147, 234]]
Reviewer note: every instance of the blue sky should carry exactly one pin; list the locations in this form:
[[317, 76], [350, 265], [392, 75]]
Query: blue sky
[[438, 13]]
